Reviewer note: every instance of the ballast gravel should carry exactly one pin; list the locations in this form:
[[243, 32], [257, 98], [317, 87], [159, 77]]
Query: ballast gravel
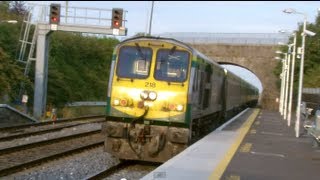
[[64, 132], [75, 167]]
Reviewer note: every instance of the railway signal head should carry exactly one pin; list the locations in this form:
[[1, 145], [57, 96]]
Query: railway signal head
[[117, 17], [55, 13]]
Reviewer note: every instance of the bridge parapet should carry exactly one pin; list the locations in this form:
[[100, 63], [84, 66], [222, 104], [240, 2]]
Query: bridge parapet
[[228, 38]]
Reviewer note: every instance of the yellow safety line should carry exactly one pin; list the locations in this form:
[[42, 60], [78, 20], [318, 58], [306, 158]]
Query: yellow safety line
[[217, 173], [246, 148]]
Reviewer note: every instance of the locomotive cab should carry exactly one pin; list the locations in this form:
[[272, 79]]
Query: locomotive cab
[[147, 100]]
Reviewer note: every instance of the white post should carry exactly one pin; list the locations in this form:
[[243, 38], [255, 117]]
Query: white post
[[292, 77], [67, 2], [146, 31], [281, 89], [287, 84], [284, 64], [297, 126], [151, 14]]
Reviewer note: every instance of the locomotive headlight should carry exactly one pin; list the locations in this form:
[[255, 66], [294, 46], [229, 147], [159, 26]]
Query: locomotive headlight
[[124, 102], [144, 95], [172, 107], [179, 107], [153, 95], [116, 102]]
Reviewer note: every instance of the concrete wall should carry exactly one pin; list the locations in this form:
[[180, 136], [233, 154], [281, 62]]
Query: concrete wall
[[11, 117], [257, 58]]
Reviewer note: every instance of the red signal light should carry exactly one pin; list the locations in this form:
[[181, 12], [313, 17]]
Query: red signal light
[[116, 23], [117, 18], [55, 13], [54, 19]]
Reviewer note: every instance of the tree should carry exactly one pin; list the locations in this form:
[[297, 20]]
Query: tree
[[18, 8], [81, 72], [10, 77], [311, 60], [11, 73]]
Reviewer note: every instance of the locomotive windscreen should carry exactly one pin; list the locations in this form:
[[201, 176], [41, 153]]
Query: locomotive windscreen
[[134, 62], [171, 66]]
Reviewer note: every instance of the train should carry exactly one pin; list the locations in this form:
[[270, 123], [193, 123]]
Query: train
[[163, 95]]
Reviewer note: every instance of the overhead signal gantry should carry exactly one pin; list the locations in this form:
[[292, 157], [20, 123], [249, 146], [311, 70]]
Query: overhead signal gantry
[[55, 23]]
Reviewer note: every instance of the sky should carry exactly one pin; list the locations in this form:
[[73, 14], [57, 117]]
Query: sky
[[206, 16], [246, 75]]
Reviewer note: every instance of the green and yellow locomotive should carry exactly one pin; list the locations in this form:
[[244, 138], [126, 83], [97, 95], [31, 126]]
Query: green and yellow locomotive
[[163, 95]]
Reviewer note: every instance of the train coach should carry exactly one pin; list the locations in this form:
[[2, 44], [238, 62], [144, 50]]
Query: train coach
[[163, 95]]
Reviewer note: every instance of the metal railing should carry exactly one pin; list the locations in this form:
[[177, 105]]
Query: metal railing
[[311, 90], [228, 38], [86, 103]]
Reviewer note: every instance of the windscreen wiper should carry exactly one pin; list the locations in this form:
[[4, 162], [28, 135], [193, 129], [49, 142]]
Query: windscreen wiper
[[140, 51], [172, 50]]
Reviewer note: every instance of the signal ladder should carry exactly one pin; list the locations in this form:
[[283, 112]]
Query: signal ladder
[[26, 44]]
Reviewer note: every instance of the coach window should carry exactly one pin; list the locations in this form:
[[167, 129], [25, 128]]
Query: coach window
[[171, 65], [201, 87], [207, 89], [208, 73], [134, 62], [195, 80]]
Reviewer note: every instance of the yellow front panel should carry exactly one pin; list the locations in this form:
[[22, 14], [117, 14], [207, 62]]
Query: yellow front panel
[[168, 95]]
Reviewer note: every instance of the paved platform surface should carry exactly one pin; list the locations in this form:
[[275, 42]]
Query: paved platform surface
[[200, 159], [270, 150], [256, 146]]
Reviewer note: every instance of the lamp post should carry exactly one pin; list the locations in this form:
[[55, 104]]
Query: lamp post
[[287, 107], [304, 33], [292, 77], [287, 84], [278, 58], [283, 82], [293, 52], [281, 92]]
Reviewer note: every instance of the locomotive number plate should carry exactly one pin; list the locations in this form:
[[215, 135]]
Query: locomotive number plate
[[150, 84]]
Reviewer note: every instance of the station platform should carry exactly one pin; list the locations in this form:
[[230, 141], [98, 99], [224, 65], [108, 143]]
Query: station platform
[[256, 145]]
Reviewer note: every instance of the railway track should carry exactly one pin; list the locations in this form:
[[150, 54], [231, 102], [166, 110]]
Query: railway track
[[16, 158], [59, 121], [125, 170], [108, 172], [14, 132]]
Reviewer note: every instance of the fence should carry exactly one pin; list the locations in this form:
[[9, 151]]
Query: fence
[[311, 91]]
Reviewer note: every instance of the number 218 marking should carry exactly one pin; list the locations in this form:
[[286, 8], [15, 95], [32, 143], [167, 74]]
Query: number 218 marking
[[150, 84]]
